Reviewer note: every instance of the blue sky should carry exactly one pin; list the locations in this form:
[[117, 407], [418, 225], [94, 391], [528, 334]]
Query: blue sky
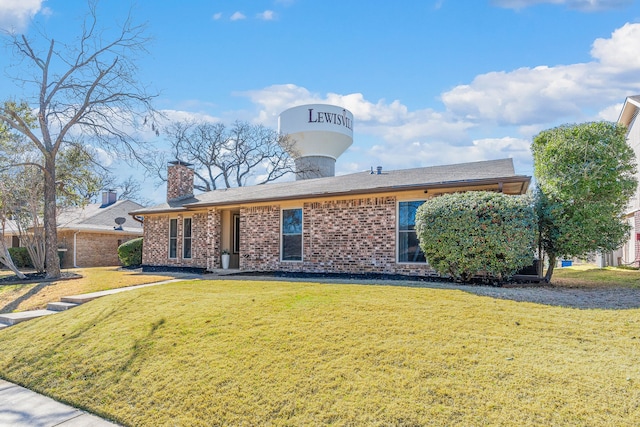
[[429, 82]]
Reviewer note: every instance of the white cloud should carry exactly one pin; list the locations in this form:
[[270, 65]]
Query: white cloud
[[582, 5], [610, 113], [440, 152], [101, 156], [530, 96], [267, 15], [237, 16], [494, 116], [187, 116], [620, 52], [217, 16], [391, 121], [15, 15]]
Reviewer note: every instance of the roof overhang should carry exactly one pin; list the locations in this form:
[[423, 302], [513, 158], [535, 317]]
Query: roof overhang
[[629, 110], [515, 184]]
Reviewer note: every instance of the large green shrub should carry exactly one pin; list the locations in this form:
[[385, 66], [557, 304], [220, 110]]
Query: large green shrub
[[20, 257], [130, 252], [479, 232]]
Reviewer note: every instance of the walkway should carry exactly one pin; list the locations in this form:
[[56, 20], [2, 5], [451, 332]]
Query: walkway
[[22, 407], [66, 303]]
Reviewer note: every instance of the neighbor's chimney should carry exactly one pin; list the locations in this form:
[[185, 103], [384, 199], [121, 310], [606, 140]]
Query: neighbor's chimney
[[179, 181], [109, 197]]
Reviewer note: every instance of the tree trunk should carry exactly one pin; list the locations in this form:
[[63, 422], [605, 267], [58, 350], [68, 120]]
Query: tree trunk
[[5, 259], [52, 263], [552, 265]]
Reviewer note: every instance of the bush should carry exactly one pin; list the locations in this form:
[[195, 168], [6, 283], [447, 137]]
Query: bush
[[479, 232], [20, 257], [130, 252]]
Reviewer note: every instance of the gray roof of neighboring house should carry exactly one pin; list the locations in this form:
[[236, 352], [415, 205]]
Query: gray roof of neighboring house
[[357, 183], [98, 218]]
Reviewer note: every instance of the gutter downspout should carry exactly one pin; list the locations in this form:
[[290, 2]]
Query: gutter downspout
[[75, 248]]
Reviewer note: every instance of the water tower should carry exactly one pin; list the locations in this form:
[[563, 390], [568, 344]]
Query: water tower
[[318, 134]]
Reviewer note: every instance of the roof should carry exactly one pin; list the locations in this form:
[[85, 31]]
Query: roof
[[629, 110], [98, 218], [463, 174]]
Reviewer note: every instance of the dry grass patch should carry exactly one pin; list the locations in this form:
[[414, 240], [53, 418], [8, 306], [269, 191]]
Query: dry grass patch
[[590, 276], [275, 353], [36, 295]]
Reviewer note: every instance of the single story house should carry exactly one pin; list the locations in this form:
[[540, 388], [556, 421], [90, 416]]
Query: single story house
[[89, 236], [357, 223]]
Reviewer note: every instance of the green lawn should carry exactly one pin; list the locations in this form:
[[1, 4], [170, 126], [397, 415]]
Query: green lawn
[[276, 353], [34, 296], [589, 276]]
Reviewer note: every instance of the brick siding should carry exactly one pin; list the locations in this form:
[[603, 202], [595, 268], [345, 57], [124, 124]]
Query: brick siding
[[155, 247], [93, 249], [339, 236], [179, 182], [260, 238]]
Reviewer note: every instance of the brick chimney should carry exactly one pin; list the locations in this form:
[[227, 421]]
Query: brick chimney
[[179, 181], [109, 197]]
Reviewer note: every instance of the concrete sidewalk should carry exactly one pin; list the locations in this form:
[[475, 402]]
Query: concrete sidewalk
[[22, 407]]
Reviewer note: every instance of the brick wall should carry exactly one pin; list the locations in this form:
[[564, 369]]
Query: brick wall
[[214, 224], [260, 238], [155, 248], [342, 236], [179, 182], [353, 236], [339, 236], [92, 249]]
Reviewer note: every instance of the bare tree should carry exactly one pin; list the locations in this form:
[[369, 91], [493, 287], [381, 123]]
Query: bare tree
[[25, 202], [226, 157], [5, 256], [85, 88]]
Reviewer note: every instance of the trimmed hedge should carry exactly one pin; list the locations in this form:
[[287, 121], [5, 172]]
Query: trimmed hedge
[[479, 232], [20, 257], [130, 252]]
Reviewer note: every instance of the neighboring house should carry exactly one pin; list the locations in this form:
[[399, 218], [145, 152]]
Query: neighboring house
[[10, 234], [90, 236], [629, 254], [358, 223]]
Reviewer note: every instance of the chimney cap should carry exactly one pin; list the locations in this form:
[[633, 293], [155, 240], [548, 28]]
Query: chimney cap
[[180, 162]]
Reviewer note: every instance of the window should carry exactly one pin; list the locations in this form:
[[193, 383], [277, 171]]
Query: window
[[173, 238], [408, 245], [15, 241], [292, 235], [186, 238]]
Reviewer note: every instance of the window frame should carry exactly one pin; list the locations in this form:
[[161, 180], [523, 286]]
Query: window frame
[[398, 231], [282, 211], [185, 238], [174, 239]]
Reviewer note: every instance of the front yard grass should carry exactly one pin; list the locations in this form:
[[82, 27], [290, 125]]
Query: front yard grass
[[277, 353], [35, 296], [590, 276]]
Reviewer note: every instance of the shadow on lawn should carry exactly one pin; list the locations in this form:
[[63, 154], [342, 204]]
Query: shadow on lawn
[[13, 305]]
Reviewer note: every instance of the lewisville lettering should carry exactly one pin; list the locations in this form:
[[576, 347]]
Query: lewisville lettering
[[335, 118]]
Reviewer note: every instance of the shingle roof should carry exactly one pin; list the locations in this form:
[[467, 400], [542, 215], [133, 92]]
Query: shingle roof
[[95, 217], [362, 182]]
